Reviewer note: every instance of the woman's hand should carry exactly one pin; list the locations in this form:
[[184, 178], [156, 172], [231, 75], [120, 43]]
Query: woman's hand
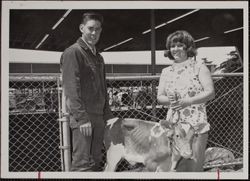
[[181, 104], [171, 96]]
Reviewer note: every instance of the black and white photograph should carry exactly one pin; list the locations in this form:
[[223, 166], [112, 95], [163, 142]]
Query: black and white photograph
[[124, 89]]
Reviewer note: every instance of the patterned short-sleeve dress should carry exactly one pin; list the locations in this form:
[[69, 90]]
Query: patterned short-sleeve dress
[[184, 82]]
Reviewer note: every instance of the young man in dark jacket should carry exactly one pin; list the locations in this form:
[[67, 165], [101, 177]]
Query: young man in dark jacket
[[85, 90]]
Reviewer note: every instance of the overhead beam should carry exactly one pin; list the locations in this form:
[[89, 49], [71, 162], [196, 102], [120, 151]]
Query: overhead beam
[[152, 21]]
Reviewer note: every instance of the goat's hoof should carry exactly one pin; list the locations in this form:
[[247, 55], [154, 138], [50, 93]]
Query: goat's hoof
[[172, 170]]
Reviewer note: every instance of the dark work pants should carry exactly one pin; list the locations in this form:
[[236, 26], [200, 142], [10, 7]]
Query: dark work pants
[[87, 150]]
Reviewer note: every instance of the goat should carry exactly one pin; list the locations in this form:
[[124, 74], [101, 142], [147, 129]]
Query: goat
[[158, 146]]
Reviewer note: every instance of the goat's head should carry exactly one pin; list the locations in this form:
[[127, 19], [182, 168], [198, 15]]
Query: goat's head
[[182, 137]]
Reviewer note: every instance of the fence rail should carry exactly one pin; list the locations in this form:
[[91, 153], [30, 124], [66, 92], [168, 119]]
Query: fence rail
[[35, 104]]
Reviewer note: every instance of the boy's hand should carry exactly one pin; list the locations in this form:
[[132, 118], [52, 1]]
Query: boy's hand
[[86, 129]]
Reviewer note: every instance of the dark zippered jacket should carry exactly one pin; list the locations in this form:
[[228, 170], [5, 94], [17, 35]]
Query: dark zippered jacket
[[84, 84]]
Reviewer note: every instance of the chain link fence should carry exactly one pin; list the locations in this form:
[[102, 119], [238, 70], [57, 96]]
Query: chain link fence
[[33, 126], [35, 106]]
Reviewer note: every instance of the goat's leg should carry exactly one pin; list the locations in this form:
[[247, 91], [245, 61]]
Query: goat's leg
[[164, 165], [175, 158], [151, 165], [114, 155]]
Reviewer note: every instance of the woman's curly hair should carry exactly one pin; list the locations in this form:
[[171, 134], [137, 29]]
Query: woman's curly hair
[[182, 37]]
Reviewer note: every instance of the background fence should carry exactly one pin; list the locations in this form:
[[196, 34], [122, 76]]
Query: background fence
[[35, 106], [33, 127]]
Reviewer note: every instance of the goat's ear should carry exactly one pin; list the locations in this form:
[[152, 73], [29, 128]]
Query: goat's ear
[[170, 132], [166, 124], [201, 126]]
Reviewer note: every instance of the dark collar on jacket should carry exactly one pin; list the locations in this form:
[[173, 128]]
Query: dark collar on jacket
[[82, 43]]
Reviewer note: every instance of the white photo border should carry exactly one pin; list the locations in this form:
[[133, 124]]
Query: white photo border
[[8, 5]]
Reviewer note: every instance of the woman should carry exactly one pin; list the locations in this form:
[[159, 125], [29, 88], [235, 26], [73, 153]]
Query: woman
[[185, 87]]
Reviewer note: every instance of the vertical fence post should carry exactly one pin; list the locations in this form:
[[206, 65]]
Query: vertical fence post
[[59, 92], [65, 135], [152, 18]]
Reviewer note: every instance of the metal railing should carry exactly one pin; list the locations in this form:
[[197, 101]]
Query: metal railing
[[37, 140]]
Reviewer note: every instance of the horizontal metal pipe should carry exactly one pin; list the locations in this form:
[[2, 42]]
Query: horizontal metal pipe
[[52, 77]]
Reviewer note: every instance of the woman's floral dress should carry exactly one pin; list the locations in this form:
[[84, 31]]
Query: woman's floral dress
[[184, 82]]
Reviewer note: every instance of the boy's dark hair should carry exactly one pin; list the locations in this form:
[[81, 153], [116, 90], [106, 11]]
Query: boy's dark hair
[[91, 15], [182, 37]]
